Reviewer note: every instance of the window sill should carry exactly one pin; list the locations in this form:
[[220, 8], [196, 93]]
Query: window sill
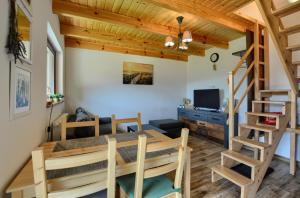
[[54, 103]]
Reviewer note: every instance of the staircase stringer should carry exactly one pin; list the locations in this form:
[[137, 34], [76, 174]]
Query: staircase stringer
[[268, 155], [280, 41]]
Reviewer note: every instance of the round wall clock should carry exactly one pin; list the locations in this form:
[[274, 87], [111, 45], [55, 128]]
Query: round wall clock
[[214, 57]]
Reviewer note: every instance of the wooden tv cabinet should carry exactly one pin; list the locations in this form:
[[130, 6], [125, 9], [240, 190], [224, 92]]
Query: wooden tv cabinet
[[211, 124]]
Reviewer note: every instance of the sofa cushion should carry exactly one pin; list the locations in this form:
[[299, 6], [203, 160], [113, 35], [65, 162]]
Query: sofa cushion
[[104, 120]]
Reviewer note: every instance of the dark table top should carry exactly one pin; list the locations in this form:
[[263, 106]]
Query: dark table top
[[128, 153]]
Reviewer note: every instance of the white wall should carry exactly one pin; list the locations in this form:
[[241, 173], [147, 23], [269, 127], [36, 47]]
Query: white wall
[[200, 73], [19, 137], [94, 81]]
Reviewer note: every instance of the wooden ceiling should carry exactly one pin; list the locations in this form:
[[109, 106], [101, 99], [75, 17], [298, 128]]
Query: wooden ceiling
[[141, 26]]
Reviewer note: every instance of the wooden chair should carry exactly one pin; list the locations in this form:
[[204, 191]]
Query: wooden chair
[[44, 188], [115, 122], [65, 125], [152, 182]]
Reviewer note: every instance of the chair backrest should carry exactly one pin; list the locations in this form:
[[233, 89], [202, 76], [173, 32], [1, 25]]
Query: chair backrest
[[178, 143], [85, 186], [65, 125], [115, 122]]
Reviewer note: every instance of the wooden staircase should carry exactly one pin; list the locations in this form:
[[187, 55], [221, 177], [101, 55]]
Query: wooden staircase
[[281, 34], [263, 151], [255, 135]]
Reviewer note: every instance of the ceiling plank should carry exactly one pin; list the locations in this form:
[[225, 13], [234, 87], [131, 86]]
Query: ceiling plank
[[74, 10], [201, 11], [76, 43], [84, 33]]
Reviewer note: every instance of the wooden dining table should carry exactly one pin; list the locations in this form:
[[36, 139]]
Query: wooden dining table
[[22, 186]]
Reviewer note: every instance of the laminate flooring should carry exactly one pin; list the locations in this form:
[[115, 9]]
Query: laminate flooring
[[206, 153]]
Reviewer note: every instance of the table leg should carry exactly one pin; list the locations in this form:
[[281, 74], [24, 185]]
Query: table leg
[[187, 175], [17, 194]]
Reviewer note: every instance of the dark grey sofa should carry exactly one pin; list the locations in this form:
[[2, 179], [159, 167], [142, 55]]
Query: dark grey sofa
[[105, 128]]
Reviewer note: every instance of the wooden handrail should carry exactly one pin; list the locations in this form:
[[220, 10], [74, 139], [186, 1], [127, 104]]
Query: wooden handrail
[[232, 91], [244, 77], [243, 96], [243, 59], [254, 66]]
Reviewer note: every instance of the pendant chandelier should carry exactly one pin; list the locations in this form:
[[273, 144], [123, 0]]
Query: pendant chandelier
[[184, 38]]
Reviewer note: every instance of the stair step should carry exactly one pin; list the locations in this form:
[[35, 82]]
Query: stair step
[[287, 10], [232, 176], [275, 91], [268, 129], [291, 30], [265, 125], [270, 102], [263, 114], [250, 143], [296, 63], [296, 130], [293, 47], [241, 158]]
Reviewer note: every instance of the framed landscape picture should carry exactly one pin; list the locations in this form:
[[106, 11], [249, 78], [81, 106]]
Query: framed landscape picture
[[137, 73], [20, 91]]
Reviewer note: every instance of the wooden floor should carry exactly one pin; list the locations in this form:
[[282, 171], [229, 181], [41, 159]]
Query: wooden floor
[[206, 153]]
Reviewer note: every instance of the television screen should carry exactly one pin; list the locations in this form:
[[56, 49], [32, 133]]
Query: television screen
[[207, 98]]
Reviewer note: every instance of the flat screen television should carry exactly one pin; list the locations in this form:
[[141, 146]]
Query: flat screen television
[[207, 98]]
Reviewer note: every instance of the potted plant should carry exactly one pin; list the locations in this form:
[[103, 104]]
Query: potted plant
[[54, 98], [60, 97]]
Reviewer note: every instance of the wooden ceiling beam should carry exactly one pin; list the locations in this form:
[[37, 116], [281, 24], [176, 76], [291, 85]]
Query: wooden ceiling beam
[[84, 33], [203, 12], [74, 10], [287, 10], [101, 46]]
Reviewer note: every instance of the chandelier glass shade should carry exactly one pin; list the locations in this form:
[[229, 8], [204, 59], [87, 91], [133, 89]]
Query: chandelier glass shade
[[184, 38], [169, 41], [187, 37], [183, 46]]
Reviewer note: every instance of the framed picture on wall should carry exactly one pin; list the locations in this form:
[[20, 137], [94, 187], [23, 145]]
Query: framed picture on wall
[[137, 73], [20, 91]]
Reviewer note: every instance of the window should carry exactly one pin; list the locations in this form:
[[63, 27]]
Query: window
[[51, 69], [55, 69]]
